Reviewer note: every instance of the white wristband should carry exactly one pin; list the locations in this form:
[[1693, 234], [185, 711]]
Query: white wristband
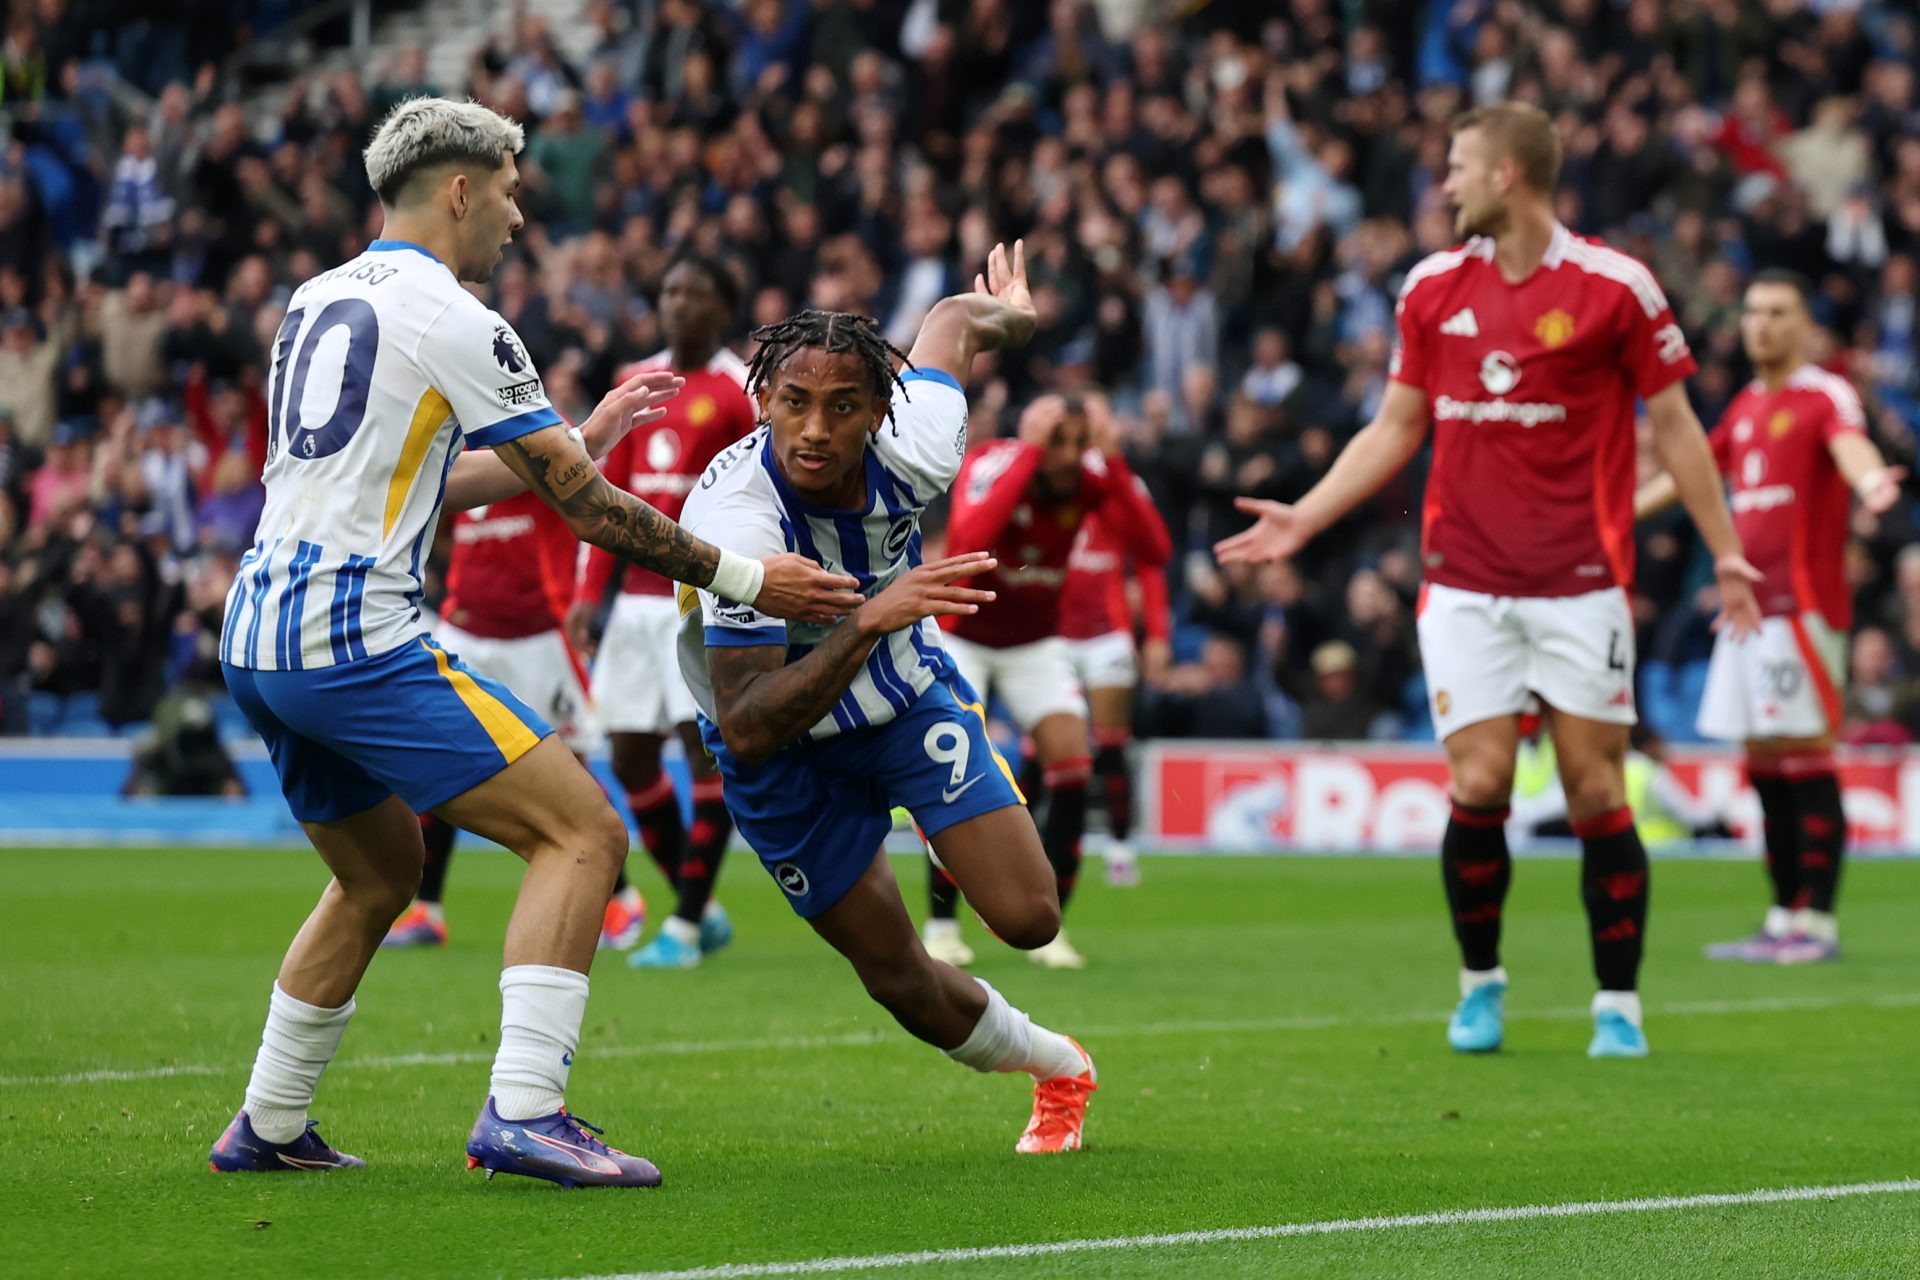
[[737, 577], [1870, 481]]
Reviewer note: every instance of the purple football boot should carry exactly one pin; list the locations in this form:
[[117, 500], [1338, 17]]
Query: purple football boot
[[241, 1150], [560, 1148]]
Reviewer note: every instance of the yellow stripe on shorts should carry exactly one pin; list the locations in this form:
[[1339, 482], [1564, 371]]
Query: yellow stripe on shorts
[[509, 734], [998, 759]]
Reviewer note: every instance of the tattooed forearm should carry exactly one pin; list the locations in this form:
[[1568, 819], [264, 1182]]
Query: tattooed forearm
[[764, 703], [555, 465]]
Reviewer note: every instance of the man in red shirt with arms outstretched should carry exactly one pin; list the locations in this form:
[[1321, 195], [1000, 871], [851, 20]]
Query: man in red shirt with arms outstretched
[[637, 686], [1526, 347], [1794, 443], [1025, 500]]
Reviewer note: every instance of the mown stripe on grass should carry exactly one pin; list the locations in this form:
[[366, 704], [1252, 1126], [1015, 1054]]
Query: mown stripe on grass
[[856, 1039], [1276, 1231]]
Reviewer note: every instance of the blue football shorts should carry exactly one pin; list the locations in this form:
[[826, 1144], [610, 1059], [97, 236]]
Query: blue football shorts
[[818, 812], [414, 721]]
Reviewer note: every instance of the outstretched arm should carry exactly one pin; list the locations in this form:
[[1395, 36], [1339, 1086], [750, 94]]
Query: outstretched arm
[[763, 703], [998, 313], [479, 478], [553, 462], [1374, 455]]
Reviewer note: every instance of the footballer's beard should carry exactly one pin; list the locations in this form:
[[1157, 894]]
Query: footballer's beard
[[1488, 220]]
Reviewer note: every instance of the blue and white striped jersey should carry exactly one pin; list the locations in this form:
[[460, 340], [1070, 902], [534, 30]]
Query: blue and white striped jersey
[[383, 369], [742, 503]]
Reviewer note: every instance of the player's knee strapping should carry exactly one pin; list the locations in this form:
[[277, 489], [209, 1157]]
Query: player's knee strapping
[[1779, 828], [1066, 819], [1613, 884], [1116, 780], [1820, 826], [1477, 869]]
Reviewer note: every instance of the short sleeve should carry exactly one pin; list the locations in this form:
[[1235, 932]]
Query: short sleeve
[[1653, 350], [724, 516], [927, 438], [1847, 415], [1409, 360], [475, 359]]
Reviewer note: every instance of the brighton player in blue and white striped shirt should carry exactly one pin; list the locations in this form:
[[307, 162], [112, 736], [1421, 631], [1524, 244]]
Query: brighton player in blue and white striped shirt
[[384, 369], [820, 730]]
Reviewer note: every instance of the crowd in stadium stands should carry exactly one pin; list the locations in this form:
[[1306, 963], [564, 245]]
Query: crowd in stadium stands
[[1218, 201]]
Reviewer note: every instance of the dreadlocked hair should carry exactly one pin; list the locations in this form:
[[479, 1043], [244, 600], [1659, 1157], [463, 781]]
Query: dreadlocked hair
[[829, 331]]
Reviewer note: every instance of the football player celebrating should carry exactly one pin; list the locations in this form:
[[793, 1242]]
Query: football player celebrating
[[820, 730]]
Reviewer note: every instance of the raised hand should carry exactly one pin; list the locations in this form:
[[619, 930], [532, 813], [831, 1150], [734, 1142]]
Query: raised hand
[[1038, 420], [634, 403], [1277, 534], [1006, 280], [928, 591], [798, 589]]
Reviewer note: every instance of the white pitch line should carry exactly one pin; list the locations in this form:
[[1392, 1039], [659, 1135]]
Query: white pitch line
[[857, 1039], [1282, 1230]]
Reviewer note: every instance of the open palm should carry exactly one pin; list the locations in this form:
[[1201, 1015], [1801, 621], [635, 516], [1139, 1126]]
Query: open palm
[[1007, 279]]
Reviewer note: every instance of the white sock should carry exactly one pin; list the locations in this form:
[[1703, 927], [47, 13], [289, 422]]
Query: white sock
[[299, 1041], [1819, 925], [944, 930], [434, 913], [1624, 1003], [1470, 979], [628, 897], [1779, 922], [1005, 1039], [541, 1008], [682, 930], [1119, 852]]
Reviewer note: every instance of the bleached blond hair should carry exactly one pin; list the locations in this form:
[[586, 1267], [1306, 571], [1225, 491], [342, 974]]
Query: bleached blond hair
[[426, 133]]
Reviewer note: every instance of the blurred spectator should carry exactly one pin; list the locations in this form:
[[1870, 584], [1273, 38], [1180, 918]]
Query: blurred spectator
[[1880, 699], [1337, 709], [1210, 698]]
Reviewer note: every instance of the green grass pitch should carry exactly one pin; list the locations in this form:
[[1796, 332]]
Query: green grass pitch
[[1268, 1033]]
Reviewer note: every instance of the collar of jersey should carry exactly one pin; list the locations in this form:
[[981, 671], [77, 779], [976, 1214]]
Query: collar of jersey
[[390, 246], [799, 506]]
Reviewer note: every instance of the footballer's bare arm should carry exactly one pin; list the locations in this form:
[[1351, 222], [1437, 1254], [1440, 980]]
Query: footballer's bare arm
[[554, 463], [763, 702]]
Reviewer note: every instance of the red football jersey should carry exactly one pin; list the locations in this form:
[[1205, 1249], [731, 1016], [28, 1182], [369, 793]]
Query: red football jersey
[[511, 571], [1126, 534], [661, 463], [1531, 390], [1790, 502], [998, 507]]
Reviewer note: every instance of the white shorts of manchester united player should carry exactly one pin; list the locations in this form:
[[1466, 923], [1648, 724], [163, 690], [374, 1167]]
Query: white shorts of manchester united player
[[1485, 654], [1035, 680], [637, 685], [1783, 681], [1106, 662], [541, 670]]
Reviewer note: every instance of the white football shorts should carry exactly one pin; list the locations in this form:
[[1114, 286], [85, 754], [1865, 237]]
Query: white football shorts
[[1485, 654], [1035, 680], [637, 685], [1106, 662], [1783, 681]]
